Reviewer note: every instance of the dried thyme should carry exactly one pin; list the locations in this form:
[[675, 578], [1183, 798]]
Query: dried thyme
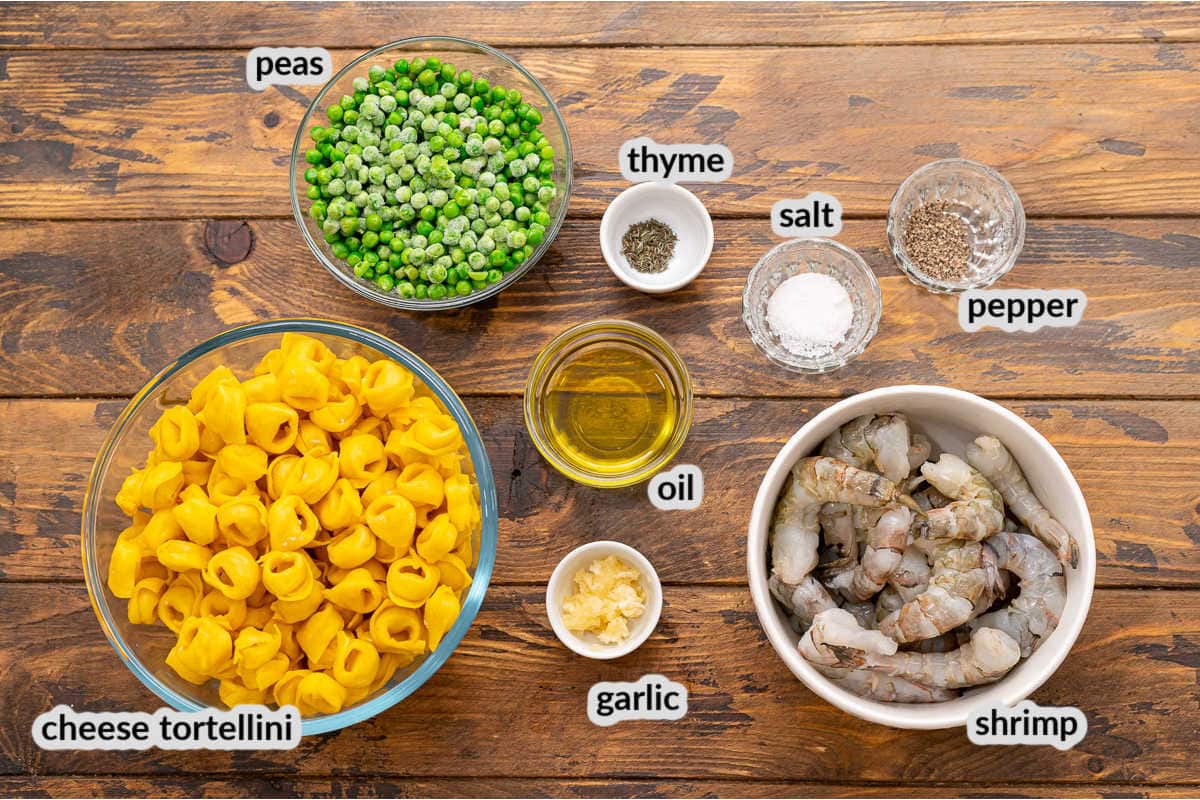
[[649, 245]]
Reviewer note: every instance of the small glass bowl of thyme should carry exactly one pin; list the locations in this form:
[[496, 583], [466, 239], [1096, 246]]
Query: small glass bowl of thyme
[[656, 237], [955, 225]]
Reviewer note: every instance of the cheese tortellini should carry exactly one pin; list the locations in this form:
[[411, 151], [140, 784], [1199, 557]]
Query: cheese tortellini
[[304, 533]]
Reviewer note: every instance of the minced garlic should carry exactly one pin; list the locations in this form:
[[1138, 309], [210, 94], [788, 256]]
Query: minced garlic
[[608, 593]]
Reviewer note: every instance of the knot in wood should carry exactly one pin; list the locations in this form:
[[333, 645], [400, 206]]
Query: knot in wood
[[227, 242]]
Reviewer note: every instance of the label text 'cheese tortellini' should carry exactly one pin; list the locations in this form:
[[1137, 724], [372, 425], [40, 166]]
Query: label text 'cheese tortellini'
[[246, 727]]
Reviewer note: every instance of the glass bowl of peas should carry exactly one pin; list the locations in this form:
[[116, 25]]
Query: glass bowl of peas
[[431, 173]]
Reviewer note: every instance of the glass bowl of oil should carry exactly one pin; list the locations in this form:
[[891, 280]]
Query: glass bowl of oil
[[608, 403]]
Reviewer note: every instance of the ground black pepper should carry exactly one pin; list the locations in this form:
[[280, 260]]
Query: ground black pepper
[[938, 242]]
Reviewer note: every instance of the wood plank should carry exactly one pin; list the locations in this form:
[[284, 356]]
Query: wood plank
[[169, 25], [368, 786], [1079, 129], [66, 307], [1133, 672], [1136, 463]]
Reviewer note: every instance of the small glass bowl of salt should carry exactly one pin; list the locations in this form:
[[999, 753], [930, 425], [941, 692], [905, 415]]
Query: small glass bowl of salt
[[811, 305]]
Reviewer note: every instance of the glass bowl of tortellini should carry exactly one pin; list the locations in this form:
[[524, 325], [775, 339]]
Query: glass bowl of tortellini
[[296, 512]]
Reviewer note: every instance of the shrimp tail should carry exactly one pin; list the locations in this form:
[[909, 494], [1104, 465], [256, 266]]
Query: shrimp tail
[[989, 455], [847, 657]]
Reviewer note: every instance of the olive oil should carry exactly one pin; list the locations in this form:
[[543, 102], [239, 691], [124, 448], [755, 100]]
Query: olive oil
[[610, 408]]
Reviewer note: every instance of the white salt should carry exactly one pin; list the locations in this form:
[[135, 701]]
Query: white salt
[[811, 314]]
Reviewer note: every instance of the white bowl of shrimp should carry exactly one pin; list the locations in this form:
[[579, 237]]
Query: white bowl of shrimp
[[855, 507]]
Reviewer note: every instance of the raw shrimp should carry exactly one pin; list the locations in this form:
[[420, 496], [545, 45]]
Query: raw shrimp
[[889, 440], [864, 519], [977, 511], [962, 573], [930, 498], [912, 576], [1012, 622], [918, 451], [886, 602], [839, 627], [805, 599], [986, 658], [795, 536], [886, 689], [939, 644], [1034, 613], [885, 549], [837, 530], [864, 613], [989, 455], [882, 441]]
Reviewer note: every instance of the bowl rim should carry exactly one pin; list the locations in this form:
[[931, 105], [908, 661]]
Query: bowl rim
[[911, 270], [814, 366], [629, 277], [96, 584], [548, 359], [654, 599], [394, 300], [899, 715]]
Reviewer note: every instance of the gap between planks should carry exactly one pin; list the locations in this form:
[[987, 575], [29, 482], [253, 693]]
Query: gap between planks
[[358, 778], [1165, 39]]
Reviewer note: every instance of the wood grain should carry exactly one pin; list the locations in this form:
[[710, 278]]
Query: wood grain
[[749, 719], [67, 307], [1079, 129], [368, 786], [1135, 462], [165, 25]]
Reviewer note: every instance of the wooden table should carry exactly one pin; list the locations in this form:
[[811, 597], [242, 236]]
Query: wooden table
[[144, 208]]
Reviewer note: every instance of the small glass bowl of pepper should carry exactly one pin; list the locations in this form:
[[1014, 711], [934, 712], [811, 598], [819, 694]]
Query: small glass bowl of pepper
[[944, 203]]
